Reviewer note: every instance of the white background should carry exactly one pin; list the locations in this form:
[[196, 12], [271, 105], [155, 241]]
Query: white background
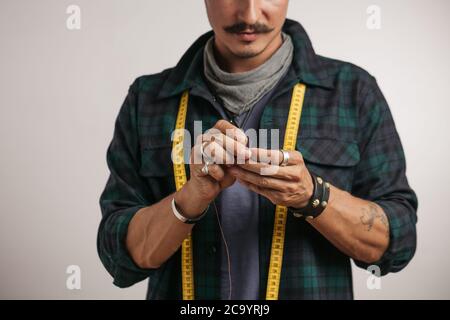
[[61, 91]]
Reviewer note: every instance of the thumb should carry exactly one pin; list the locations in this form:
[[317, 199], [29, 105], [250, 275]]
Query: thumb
[[228, 180]]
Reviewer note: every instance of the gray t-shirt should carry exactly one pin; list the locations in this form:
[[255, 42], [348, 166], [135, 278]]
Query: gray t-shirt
[[238, 210]]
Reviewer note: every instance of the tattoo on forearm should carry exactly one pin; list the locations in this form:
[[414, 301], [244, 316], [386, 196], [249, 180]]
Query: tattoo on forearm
[[368, 217], [372, 212]]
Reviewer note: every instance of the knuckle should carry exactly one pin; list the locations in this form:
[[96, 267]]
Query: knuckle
[[291, 188], [216, 152], [284, 199], [212, 132], [264, 181], [216, 172], [220, 124], [218, 138], [230, 132], [295, 177], [213, 152]]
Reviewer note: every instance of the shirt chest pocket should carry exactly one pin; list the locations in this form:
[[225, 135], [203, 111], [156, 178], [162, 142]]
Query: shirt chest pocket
[[334, 160]]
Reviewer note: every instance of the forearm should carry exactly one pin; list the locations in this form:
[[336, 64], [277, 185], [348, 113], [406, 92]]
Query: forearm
[[155, 234], [357, 227]]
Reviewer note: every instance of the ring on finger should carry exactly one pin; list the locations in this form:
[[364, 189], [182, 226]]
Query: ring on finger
[[206, 157], [285, 160], [205, 169]]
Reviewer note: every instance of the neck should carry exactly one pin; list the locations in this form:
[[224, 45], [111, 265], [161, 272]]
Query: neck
[[232, 63]]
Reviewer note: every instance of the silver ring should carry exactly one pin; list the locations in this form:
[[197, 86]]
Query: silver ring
[[285, 160], [205, 169], [207, 158]]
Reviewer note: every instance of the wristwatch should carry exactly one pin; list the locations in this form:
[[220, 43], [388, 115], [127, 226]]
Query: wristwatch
[[317, 203], [182, 218]]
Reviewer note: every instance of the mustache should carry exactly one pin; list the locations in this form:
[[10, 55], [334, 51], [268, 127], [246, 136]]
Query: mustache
[[254, 28]]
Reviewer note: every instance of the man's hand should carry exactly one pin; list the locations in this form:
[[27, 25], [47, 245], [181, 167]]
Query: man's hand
[[357, 227], [223, 144], [154, 233], [290, 186]]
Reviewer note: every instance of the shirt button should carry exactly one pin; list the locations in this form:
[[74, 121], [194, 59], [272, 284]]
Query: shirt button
[[213, 250]]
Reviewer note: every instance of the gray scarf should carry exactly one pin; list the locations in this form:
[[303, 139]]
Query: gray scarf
[[239, 92]]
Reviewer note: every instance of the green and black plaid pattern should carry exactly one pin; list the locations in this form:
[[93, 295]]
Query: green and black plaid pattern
[[347, 136]]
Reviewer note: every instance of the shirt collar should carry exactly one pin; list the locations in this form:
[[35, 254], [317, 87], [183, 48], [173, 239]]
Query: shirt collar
[[308, 66]]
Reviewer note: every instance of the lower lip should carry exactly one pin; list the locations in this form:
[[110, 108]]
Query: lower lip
[[247, 36]]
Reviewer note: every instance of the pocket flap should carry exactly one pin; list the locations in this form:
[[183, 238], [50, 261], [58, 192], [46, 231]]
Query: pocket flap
[[330, 152]]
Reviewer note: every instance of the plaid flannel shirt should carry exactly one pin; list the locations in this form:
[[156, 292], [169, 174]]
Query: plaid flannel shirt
[[347, 135]]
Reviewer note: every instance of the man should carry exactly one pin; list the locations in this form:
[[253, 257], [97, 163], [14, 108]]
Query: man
[[345, 185]]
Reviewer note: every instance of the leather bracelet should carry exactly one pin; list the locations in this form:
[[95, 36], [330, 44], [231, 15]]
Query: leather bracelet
[[182, 218], [325, 196], [317, 203]]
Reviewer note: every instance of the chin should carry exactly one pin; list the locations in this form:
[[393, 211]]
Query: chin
[[249, 50]]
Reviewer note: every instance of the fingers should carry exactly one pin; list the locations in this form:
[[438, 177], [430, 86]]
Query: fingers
[[216, 172], [227, 142], [295, 157], [275, 157], [231, 131], [228, 179], [276, 197], [266, 156], [263, 169], [266, 182], [217, 154], [221, 147]]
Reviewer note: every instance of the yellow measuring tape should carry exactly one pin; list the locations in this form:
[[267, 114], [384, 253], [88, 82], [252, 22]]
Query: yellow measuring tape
[[276, 253], [279, 228], [187, 266]]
